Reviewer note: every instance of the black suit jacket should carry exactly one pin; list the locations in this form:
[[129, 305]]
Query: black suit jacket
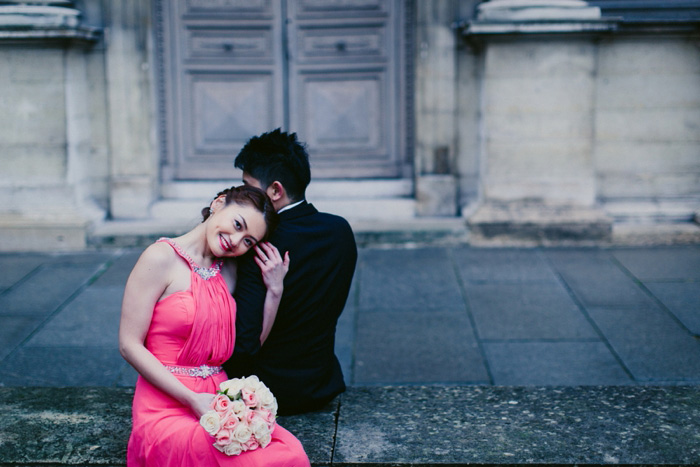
[[297, 361]]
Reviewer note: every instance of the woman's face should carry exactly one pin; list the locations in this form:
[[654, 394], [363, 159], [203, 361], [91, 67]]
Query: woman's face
[[234, 229]]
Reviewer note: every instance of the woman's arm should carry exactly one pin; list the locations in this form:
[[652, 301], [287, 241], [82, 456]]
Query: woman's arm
[[146, 284], [273, 269]]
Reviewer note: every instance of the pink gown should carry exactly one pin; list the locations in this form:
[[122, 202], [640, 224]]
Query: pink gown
[[188, 329]]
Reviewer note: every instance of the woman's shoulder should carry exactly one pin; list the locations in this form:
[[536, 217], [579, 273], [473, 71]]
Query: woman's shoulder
[[158, 254]]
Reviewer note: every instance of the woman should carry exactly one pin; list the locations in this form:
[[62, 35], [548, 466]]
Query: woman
[[178, 326]]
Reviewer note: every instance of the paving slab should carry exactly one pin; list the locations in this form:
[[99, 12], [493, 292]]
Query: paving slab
[[46, 289], [682, 299], [502, 265], [661, 263], [505, 425], [408, 279], [554, 364], [526, 311], [408, 347], [91, 319], [596, 279], [17, 266], [61, 367], [14, 331], [651, 344]]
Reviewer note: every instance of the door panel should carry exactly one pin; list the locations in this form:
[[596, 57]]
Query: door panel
[[331, 70]]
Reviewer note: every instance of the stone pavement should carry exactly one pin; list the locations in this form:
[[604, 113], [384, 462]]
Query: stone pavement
[[447, 316]]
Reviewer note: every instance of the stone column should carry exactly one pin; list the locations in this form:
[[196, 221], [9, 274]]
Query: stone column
[[538, 178], [436, 106], [134, 164]]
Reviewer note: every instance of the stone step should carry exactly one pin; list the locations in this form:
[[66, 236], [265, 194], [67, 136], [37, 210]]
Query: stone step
[[395, 426]]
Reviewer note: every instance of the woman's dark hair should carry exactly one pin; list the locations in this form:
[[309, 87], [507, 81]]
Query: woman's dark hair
[[249, 196], [277, 156]]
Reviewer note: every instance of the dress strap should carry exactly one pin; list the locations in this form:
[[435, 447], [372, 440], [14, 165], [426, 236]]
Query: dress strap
[[204, 273]]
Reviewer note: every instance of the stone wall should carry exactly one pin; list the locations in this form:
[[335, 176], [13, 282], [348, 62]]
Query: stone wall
[[647, 127]]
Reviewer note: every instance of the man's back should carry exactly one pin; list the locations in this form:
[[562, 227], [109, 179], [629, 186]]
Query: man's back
[[297, 360]]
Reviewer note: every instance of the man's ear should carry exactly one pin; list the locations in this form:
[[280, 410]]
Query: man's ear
[[276, 191]]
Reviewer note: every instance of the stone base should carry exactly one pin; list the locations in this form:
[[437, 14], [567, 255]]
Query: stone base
[[44, 234], [519, 223]]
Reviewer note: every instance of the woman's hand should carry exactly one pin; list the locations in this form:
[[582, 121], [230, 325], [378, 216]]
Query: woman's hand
[[201, 403], [272, 266]]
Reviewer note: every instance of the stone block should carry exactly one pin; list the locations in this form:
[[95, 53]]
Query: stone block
[[645, 91], [539, 95], [508, 265], [539, 59], [27, 234], [538, 224], [523, 127], [436, 195], [131, 197], [644, 56], [518, 426], [615, 157], [650, 125], [33, 164]]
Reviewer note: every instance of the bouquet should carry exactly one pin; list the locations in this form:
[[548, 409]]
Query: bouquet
[[242, 417]]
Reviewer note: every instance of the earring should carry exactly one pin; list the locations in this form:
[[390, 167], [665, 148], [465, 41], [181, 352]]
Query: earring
[[210, 212]]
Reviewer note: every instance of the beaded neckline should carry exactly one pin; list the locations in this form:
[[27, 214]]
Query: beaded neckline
[[204, 273]]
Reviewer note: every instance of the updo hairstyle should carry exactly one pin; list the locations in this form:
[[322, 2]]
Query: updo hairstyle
[[245, 195]]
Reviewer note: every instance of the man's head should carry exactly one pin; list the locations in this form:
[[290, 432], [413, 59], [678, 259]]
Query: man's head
[[277, 163]]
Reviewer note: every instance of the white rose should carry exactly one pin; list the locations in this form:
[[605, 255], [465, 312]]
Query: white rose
[[253, 383], [234, 386], [233, 449], [238, 407], [265, 397], [210, 421], [242, 433], [259, 427], [265, 440]]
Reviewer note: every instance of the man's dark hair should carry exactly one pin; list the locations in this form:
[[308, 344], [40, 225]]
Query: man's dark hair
[[277, 155]]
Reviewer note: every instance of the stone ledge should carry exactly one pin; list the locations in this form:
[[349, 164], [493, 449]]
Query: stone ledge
[[396, 426]]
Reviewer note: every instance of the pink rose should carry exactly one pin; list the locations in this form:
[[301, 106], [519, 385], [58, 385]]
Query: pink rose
[[267, 416], [223, 437], [251, 444], [230, 421], [221, 403], [249, 398]]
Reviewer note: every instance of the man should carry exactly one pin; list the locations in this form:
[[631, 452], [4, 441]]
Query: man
[[297, 361]]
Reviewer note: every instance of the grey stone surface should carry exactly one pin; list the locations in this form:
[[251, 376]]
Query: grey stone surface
[[16, 267], [61, 366], [14, 330], [91, 319], [652, 345], [407, 279], [119, 269], [502, 265], [596, 279], [683, 299], [47, 289], [526, 311], [554, 363], [500, 425], [679, 263], [416, 347], [70, 426], [315, 431]]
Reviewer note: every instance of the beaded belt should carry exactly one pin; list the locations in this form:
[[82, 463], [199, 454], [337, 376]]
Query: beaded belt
[[202, 371]]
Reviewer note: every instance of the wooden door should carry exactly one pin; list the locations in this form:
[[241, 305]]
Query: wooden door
[[331, 70]]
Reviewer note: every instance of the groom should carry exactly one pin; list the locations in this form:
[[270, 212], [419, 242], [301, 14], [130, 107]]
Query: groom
[[297, 361]]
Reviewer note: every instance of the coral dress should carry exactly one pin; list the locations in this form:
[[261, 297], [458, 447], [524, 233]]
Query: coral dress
[[189, 329]]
